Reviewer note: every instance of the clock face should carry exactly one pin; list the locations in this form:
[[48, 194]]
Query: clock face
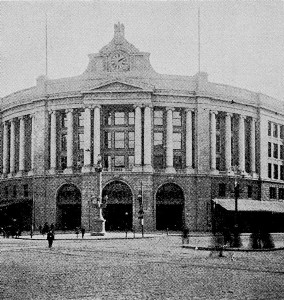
[[119, 61]]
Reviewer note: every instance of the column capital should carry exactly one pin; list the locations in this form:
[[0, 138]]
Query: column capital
[[242, 117], [51, 111], [88, 106], [21, 117], [214, 112], [229, 114], [32, 115], [96, 106], [189, 110], [69, 110], [169, 108], [137, 106], [253, 119], [150, 105]]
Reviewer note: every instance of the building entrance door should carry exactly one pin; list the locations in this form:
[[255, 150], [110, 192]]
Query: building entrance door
[[68, 215], [169, 207], [118, 211]]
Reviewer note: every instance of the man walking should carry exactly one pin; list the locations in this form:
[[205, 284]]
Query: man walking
[[50, 238]]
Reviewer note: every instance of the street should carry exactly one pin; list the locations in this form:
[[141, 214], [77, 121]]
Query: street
[[152, 268]]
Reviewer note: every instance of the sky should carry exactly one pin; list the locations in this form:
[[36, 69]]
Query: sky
[[241, 42]]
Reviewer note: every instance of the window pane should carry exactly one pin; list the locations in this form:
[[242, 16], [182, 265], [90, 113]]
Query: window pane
[[269, 128], [131, 118], [269, 170], [63, 142], [64, 120], [119, 118], [131, 139], [130, 161], [176, 140], [275, 171], [107, 120], [275, 130], [275, 150], [282, 131], [119, 140], [269, 149], [81, 119], [158, 138], [107, 140], [158, 117], [81, 141], [176, 118], [119, 161]]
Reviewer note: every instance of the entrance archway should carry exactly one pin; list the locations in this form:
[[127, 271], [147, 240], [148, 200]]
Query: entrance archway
[[169, 207], [68, 215], [118, 212]]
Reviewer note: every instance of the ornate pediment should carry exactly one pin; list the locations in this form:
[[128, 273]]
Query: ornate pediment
[[121, 86]]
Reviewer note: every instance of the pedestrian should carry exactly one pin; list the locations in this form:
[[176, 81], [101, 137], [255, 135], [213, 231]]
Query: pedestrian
[[185, 236], [52, 227], [83, 232], [40, 229], [218, 244], [45, 228], [77, 231], [50, 238]]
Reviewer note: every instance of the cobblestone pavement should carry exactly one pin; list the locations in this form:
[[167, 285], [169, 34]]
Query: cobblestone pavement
[[156, 268]]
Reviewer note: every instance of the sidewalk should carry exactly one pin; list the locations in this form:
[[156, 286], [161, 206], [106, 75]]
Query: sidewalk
[[204, 241]]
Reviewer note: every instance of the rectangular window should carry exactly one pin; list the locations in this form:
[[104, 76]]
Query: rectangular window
[[131, 139], [176, 140], [119, 140], [158, 117], [282, 131], [106, 161], [119, 161], [131, 118], [81, 115], [269, 171], [26, 190], [14, 191], [218, 143], [272, 192], [64, 120], [249, 191], [64, 142], [222, 189], [63, 162], [176, 118], [81, 141], [275, 173], [275, 150], [108, 118], [269, 128], [6, 191], [275, 130], [282, 172], [177, 162], [158, 161], [269, 149], [158, 138], [119, 118], [281, 151], [130, 161], [281, 194]]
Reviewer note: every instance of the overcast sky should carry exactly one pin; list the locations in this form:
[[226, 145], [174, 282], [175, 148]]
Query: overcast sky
[[242, 42]]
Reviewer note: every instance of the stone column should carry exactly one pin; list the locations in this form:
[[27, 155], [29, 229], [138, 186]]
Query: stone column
[[97, 133], [12, 147], [148, 139], [32, 141], [170, 153], [138, 140], [188, 150], [228, 146], [242, 143], [252, 148], [213, 140], [52, 142], [87, 140], [69, 169], [5, 148], [22, 147]]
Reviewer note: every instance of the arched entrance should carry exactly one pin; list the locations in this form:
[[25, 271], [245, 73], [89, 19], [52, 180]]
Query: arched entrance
[[169, 207], [68, 202], [118, 211]]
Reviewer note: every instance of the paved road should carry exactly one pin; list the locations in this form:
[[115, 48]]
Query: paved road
[[155, 268]]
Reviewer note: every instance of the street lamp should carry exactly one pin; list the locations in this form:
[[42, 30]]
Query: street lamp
[[236, 239], [99, 222]]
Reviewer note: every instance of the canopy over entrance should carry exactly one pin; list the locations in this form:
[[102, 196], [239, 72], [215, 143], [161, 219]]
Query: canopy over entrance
[[247, 205]]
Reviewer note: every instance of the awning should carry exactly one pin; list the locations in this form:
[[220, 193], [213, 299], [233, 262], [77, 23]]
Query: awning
[[251, 205]]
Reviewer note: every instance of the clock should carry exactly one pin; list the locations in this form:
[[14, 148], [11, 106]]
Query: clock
[[119, 62]]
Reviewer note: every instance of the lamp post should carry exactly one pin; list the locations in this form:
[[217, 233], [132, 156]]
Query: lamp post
[[99, 222], [236, 239]]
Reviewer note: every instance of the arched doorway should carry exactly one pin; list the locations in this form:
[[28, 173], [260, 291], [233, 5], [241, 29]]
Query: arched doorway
[[68, 202], [118, 211], [169, 207]]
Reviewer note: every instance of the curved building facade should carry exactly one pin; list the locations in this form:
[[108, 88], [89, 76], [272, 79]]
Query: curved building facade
[[175, 140]]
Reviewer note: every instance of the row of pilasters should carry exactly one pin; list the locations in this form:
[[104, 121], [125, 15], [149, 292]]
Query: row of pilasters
[[9, 151], [228, 143]]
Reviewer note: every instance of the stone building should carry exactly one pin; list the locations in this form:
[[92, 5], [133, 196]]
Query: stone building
[[173, 139]]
